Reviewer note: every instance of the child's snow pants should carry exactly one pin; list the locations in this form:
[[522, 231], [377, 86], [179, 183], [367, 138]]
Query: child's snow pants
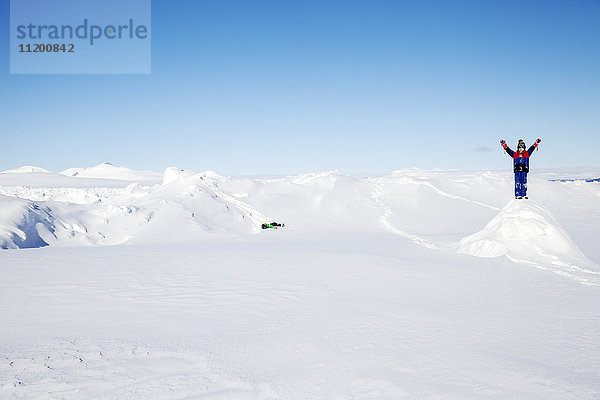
[[520, 184]]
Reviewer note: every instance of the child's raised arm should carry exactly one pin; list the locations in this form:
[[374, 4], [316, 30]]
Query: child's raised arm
[[534, 146], [506, 148]]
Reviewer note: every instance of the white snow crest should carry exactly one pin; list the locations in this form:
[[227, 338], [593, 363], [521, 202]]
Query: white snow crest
[[24, 224], [109, 171], [527, 232], [176, 175], [521, 226], [26, 169], [189, 183], [188, 205]]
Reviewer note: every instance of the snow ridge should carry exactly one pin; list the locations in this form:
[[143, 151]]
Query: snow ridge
[[528, 233], [109, 171], [24, 224], [26, 169], [187, 205], [378, 194], [436, 210]]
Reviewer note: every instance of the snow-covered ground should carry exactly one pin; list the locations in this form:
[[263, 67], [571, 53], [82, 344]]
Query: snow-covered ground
[[419, 284]]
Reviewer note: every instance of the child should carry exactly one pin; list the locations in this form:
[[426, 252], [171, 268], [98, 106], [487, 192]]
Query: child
[[521, 165]]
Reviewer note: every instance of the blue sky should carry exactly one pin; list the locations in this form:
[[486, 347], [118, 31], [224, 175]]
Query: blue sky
[[278, 87]]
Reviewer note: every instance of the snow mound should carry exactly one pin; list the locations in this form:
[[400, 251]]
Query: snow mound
[[109, 171], [25, 170], [311, 177], [24, 224], [528, 233], [519, 227], [174, 175]]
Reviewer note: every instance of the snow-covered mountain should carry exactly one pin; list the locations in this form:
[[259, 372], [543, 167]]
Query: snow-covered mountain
[[109, 171], [25, 170]]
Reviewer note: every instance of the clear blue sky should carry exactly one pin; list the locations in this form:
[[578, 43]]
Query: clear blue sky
[[277, 87]]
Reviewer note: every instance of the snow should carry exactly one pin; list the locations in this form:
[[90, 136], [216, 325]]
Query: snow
[[418, 284], [25, 169], [23, 224], [527, 232], [109, 171]]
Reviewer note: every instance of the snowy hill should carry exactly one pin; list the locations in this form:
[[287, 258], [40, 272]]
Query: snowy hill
[[527, 232], [23, 224], [186, 206], [109, 171], [416, 284], [25, 169], [436, 209]]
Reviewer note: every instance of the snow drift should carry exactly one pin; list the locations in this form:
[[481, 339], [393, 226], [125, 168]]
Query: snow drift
[[521, 227], [24, 224], [527, 232]]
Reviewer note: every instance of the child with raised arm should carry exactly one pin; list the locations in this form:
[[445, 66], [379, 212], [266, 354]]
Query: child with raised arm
[[521, 165]]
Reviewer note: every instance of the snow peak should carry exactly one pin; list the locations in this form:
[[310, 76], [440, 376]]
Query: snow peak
[[83, 31]]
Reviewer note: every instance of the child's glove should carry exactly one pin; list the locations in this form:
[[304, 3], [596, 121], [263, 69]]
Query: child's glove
[[539, 140], [502, 141]]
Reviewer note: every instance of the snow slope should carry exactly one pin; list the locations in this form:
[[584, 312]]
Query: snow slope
[[527, 232], [185, 206], [320, 316], [418, 284], [436, 209], [23, 224], [109, 171], [25, 169]]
